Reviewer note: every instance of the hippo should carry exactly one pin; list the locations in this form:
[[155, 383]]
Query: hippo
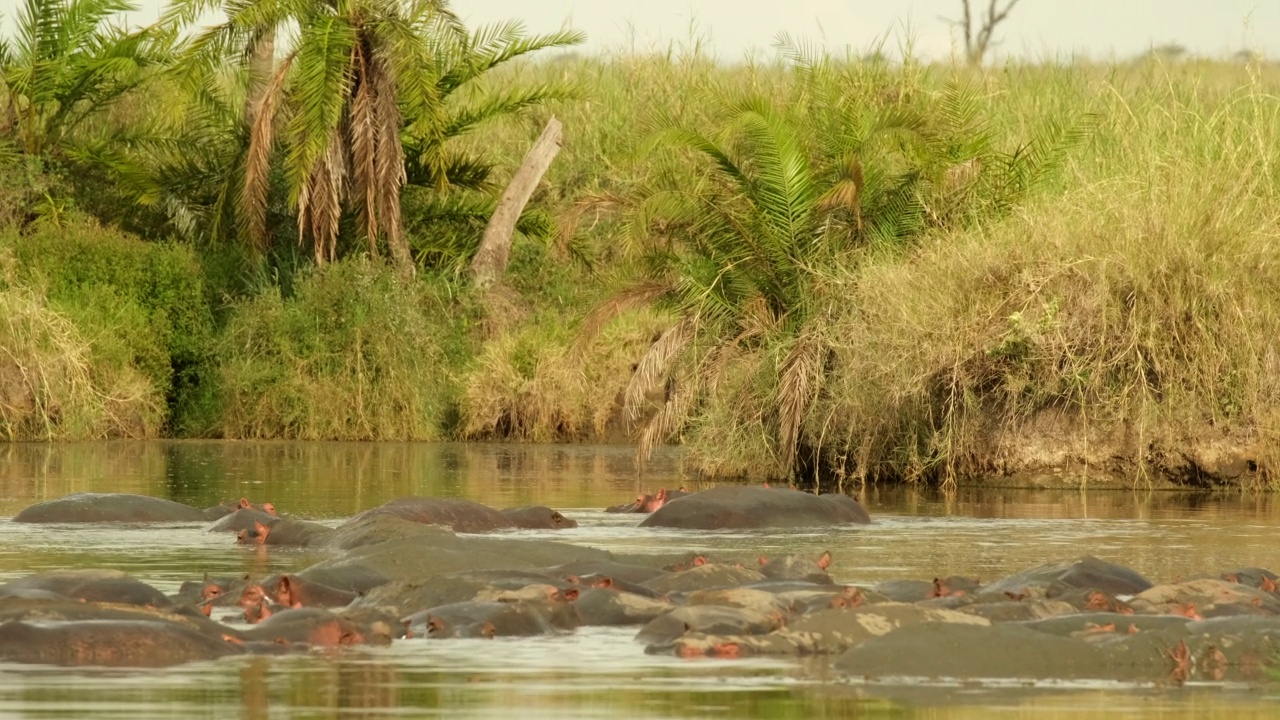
[[646, 503], [1053, 579], [738, 508], [792, 567], [608, 606], [413, 596], [217, 512], [712, 619], [242, 519], [538, 517], [463, 516], [314, 627], [109, 507], [826, 632], [285, 531], [295, 592], [109, 643], [88, 585], [496, 619]]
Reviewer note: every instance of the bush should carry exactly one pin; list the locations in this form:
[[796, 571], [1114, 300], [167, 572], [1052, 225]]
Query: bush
[[355, 354], [139, 304], [533, 384], [56, 384]]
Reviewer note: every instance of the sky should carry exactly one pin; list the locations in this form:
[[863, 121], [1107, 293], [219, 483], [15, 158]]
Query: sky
[[735, 29], [1036, 29]]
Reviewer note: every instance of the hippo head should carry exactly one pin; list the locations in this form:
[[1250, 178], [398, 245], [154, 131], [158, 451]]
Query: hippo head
[[256, 536], [286, 594], [649, 503]]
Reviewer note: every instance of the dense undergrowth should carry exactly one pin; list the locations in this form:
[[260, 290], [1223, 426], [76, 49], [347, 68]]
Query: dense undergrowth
[[825, 267]]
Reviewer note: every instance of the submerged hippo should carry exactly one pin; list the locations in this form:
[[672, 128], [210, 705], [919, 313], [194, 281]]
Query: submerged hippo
[[109, 507], [736, 507], [125, 507], [646, 503], [467, 516]]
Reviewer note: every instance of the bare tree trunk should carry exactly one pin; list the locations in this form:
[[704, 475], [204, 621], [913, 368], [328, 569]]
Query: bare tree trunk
[[261, 67], [978, 40], [490, 261]]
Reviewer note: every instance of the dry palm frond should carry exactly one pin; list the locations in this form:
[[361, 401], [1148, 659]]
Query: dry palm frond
[[598, 204], [320, 202], [636, 296], [389, 161], [362, 131], [798, 382], [258, 162], [655, 367], [673, 413]]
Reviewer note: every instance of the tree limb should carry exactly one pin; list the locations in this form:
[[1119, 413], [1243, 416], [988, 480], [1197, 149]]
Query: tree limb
[[490, 261]]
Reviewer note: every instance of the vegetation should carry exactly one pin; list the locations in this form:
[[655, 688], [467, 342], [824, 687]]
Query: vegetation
[[819, 269]]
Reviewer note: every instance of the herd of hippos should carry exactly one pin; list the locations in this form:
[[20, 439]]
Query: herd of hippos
[[421, 567]]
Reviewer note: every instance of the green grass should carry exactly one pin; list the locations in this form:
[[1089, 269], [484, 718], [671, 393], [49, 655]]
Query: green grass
[[1124, 318], [354, 354]]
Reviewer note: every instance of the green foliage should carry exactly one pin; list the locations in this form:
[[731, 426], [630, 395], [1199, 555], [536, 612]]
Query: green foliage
[[369, 99], [737, 252], [66, 65], [145, 302], [355, 354]]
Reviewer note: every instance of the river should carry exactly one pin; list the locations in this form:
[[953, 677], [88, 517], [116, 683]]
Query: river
[[592, 673]]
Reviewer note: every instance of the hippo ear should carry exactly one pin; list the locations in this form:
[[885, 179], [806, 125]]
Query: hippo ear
[[604, 583], [284, 588], [824, 562], [260, 532], [763, 560], [570, 594], [699, 561], [269, 509], [488, 630], [244, 503]]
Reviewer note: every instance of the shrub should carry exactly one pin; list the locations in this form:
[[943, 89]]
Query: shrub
[[140, 304], [355, 354], [56, 384]]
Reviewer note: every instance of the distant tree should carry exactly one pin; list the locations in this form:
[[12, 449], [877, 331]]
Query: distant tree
[[978, 32]]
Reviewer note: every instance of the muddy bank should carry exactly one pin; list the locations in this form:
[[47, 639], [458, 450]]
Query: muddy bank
[[1056, 450]]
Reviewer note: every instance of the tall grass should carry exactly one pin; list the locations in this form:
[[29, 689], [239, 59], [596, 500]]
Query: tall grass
[[1125, 328], [354, 354], [54, 386]]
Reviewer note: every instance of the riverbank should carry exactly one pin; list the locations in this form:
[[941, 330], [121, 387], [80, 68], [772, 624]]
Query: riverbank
[[1116, 327]]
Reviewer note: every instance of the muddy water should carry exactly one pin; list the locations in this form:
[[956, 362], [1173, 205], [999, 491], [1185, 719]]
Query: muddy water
[[594, 672]]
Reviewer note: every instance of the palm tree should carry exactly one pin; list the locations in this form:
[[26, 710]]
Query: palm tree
[[66, 64], [737, 255], [363, 79]]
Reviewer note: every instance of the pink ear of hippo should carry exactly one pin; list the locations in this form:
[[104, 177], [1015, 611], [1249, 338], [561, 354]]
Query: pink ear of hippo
[[269, 509], [824, 562], [260, 532]]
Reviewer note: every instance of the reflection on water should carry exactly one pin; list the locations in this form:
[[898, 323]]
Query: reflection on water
[[594, 672]]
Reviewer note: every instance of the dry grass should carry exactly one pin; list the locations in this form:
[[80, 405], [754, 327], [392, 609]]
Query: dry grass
[[537, 384], [52, 387], [1144, 304]]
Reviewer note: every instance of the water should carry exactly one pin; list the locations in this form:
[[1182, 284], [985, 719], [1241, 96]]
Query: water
[[594, 672]]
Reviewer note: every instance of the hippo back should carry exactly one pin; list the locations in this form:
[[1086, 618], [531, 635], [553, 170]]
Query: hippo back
[[741, 507]]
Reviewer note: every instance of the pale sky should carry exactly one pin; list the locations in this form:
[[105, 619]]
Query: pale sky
[[1036, 29]]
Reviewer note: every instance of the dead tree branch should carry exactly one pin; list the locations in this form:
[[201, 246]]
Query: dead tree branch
[[978, 40]]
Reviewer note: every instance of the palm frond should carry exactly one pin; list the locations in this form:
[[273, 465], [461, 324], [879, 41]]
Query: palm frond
[[655, 366], [799, 379]]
